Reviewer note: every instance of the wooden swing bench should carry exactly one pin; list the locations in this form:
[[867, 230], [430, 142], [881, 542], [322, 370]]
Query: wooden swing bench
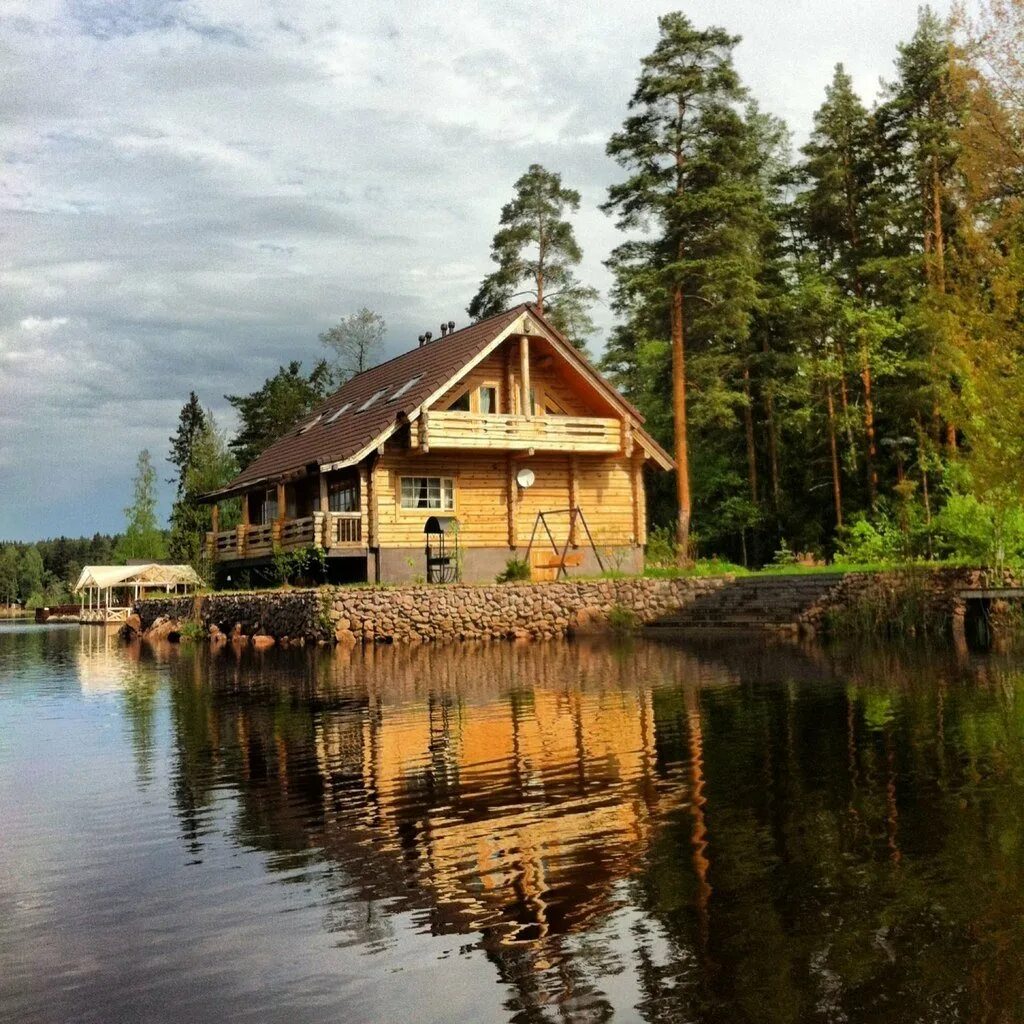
[[573, 561]]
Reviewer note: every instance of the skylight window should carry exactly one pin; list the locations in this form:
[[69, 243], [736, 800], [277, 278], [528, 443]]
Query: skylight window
[[312, 423], [337, 412], [405, 387], [373, 398]]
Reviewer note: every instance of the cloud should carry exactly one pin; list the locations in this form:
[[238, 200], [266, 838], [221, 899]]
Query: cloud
[[192, 190]]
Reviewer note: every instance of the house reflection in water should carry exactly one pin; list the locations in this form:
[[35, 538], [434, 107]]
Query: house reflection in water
[[505, 790]]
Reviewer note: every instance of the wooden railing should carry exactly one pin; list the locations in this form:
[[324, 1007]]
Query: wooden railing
[[343, 529], [517, 433], [324, 529]]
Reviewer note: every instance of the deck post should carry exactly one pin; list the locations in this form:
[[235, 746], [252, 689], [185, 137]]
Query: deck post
[[512, 493], [324, 498], [524, 375], [215, 517]]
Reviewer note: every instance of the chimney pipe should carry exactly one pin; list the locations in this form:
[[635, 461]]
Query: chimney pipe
[[444, 329], [451, 326], [423, 339], [428, 336]]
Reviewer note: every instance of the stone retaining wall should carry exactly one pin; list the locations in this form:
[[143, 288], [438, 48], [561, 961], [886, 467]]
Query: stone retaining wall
[[412, 614], [432, 613]]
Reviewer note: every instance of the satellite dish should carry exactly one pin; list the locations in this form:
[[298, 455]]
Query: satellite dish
[[525, 478]]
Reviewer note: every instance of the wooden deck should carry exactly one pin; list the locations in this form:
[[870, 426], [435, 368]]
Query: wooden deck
[[337, 532], [469, 430]]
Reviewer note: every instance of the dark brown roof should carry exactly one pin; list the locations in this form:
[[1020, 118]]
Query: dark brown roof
[[425, 370], [434, 364]]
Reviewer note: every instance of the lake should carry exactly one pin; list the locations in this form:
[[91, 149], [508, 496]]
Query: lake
[[709, 832]]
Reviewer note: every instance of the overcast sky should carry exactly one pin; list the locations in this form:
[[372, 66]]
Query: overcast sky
[[191, 190]]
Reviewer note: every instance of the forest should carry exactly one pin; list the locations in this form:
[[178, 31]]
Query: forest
[[829, 338]]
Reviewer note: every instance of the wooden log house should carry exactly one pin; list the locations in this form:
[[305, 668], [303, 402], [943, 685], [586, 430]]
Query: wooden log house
[[443, 431]]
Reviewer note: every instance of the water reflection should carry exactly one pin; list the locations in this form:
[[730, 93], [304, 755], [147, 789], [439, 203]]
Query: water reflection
[[658, 833]]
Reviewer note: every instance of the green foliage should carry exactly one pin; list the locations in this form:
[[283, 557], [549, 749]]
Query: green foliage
[[303, 566], [661, 548], [192, 421], [536, 247], [211, 465], [192, 631], [355, 341], [903, 610], [784, 556], [270, 412], [516, 570], [622, 621], [142, 539]]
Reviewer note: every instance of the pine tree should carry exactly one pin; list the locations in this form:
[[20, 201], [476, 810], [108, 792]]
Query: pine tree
[[536, 247], [212, 465], [268, 413], [191, 423], [838, 173], [683, 124]]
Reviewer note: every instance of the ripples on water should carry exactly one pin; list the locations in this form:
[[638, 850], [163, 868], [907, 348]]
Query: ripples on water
[[526, 833]]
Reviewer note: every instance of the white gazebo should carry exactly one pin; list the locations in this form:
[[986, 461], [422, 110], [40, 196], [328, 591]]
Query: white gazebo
[[106, 592]]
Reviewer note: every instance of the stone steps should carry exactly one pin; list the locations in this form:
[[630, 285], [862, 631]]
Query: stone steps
[[747, 603]]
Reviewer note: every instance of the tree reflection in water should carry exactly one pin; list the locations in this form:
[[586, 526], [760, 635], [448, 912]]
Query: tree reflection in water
[[746, 833]]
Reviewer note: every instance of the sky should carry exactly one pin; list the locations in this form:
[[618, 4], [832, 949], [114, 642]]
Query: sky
[[192, 190]]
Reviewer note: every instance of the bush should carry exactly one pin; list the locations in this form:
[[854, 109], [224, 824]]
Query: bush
[[307, 565], [661, 547], [622, 620], [516, 570]]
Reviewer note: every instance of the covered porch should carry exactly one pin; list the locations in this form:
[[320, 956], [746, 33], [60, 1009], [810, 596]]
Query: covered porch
[[326, 510]]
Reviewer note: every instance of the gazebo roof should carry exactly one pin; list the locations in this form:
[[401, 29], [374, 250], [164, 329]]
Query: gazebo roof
[[151, 574]]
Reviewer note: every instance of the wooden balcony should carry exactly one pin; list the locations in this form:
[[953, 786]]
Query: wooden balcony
[[547, 433], [330, 530]]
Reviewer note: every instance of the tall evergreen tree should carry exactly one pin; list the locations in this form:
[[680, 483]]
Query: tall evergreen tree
[[838, 173], [211, 466], [675, 145], [191, 423], [535, 250]]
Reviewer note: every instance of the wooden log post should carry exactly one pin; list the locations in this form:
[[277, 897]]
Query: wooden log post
[[215, 518], [425, 431], [371, 498], [509, 399], [524, 375], [512, 497], [243, 528], [574, 500], [364, 504], [322, 528]]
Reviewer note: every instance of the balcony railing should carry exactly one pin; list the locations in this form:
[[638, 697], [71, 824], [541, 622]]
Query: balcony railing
[[519, 433], [324, 529]]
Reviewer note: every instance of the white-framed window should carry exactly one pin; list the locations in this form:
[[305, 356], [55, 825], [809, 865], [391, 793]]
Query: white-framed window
[[437, 492]]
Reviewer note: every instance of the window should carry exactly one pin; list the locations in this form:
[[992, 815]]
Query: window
[[428, 492], [334, 415], [269, 511], [343, 495], [488, 400], [312, 423], [461, 404], [533, 401], [405, 387], [373, 398]]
